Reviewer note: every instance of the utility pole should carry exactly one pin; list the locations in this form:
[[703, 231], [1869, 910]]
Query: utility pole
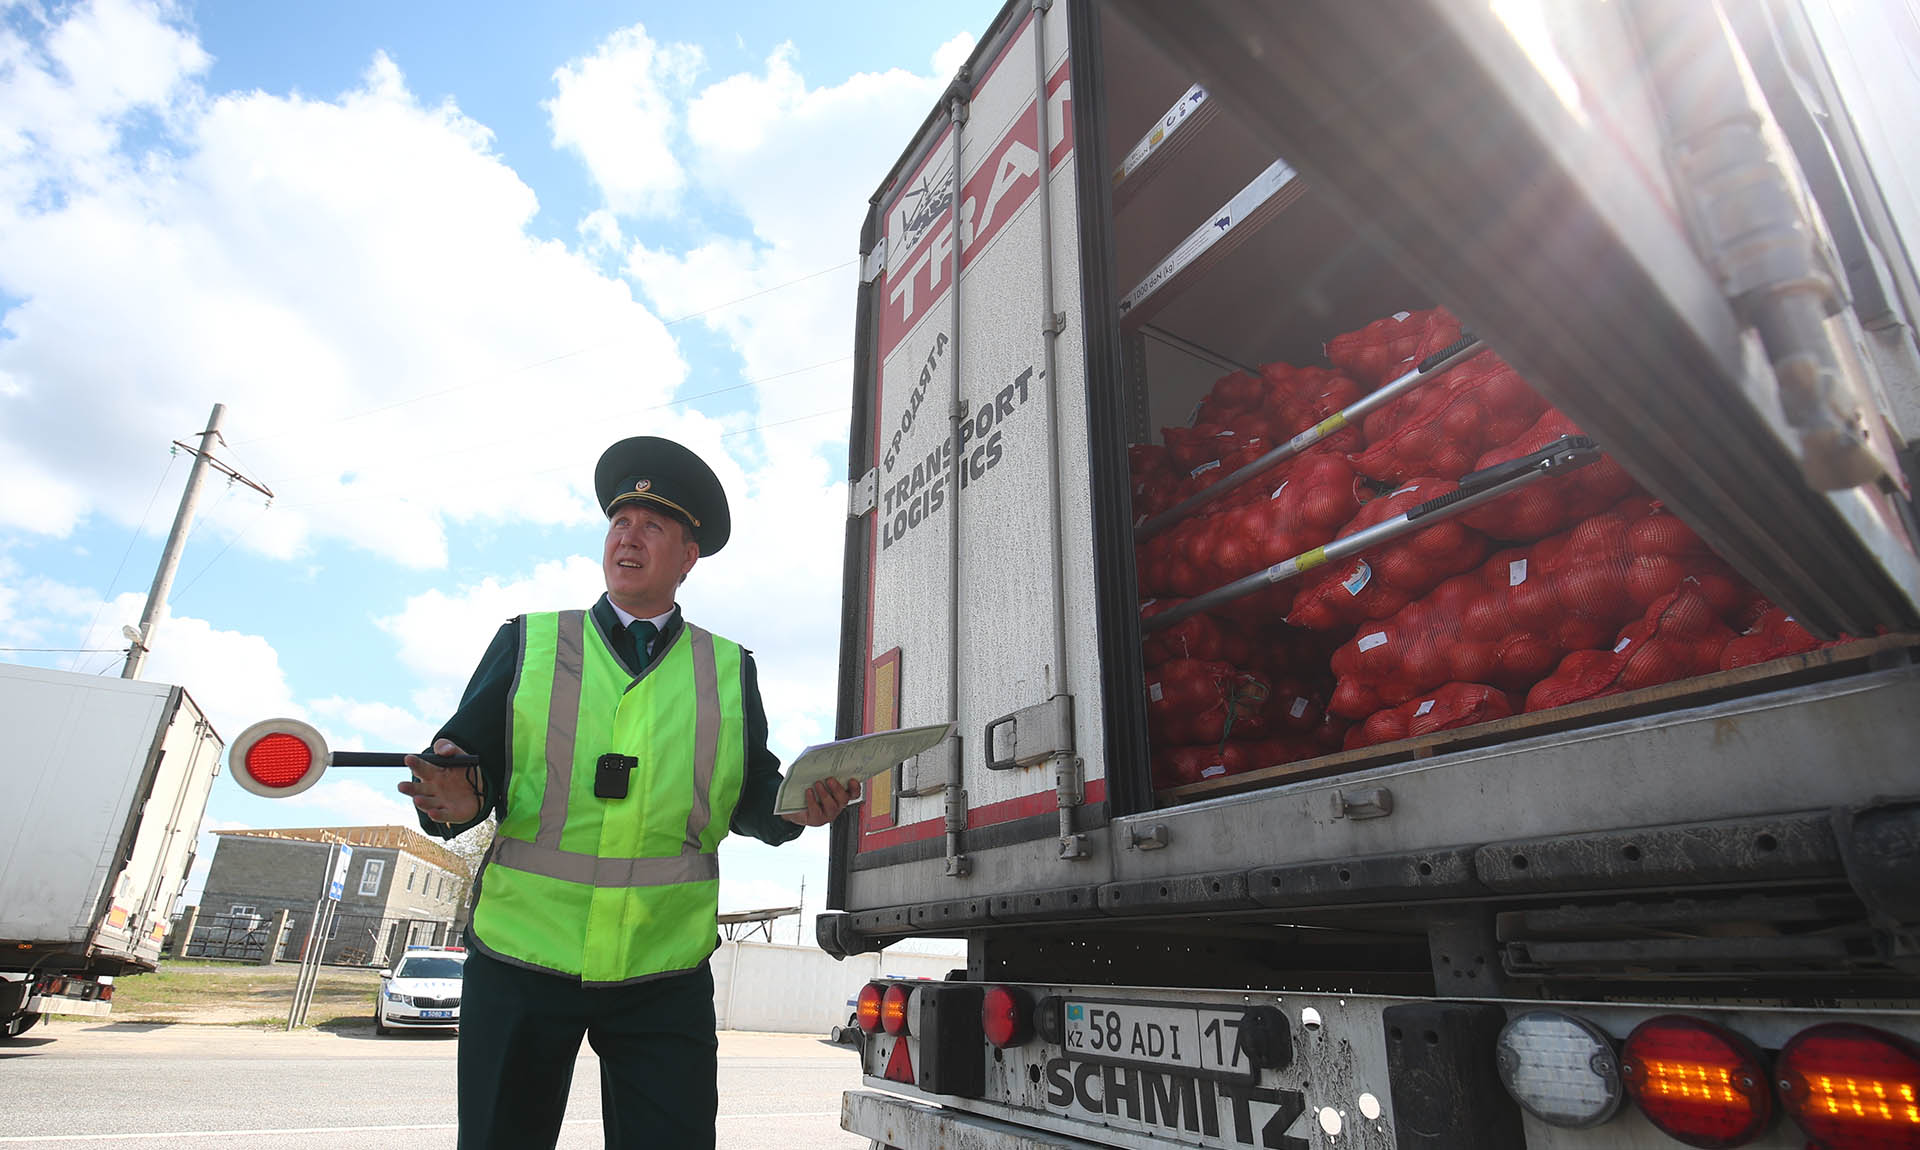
[[177, 538]]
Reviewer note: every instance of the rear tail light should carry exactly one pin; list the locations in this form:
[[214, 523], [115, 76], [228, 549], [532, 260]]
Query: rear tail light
[[1006, 1015], [1850, 1086], [866, 1008], [106, 992], [893, 1009], [1560, 1068], [1698, 1083]]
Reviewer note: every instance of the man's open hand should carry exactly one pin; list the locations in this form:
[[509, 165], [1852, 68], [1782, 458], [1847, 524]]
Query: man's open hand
[[825, 800], [443, 794]]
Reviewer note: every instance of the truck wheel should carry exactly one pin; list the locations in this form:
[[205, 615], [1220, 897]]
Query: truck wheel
[[19, 1024], [380, 1026]]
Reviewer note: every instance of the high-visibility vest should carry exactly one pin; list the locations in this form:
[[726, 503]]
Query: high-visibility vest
[[613, 890]]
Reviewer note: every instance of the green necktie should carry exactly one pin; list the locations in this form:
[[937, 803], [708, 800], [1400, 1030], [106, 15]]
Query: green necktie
[[643, 632]]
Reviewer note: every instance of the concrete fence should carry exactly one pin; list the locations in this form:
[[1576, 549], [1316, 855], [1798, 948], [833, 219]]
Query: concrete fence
[[802, 990]]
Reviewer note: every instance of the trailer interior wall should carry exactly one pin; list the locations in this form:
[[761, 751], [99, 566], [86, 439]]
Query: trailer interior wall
[[1524, 200]]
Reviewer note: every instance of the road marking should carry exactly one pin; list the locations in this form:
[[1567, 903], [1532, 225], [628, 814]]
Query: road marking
[[149, 1135]]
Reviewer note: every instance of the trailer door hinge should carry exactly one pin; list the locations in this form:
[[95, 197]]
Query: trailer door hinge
[[863, 493]]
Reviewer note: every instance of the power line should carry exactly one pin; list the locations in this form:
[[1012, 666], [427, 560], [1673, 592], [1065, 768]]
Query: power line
[[761, 292], [522, 440], [178, 595], [70, 650], [841, 410], [131, 540], [557, 358]]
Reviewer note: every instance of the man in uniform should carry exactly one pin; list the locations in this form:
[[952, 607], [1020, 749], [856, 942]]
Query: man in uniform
[[617, 747]]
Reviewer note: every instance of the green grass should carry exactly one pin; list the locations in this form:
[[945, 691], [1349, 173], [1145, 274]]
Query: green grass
[[243, 994]]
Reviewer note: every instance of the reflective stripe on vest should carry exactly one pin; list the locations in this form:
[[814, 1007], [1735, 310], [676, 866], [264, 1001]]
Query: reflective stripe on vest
[[614, 890]]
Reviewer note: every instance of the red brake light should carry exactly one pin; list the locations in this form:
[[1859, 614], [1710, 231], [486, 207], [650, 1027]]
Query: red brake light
[[1006, 1015], [893, 1009], [279, 760], [1698, 1083], [866, 1008], [106, 992], [1851, 1085]]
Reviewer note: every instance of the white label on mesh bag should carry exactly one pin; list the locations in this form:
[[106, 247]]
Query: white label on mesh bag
[[1215, 771], [1402, 316], [1204, 468], [1299, 707], [1369, 642], [1278, 490], [1153, 691], [1404, 490], [1622, 645], [1516, 572], [1423, 708], [1356, 580]]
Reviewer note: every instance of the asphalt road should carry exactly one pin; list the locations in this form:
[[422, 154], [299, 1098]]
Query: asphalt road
[[75, 1084]]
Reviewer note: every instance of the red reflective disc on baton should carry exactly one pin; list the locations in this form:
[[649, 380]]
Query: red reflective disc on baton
[[279, 760]]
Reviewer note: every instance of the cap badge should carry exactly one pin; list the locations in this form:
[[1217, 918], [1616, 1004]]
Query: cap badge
[[643, 485]]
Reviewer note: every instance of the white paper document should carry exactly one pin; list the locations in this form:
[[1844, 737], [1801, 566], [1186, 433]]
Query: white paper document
[[860, 757]]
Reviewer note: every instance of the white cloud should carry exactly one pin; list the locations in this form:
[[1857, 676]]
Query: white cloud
[[600, 231], [351, 802], [235, 677], [354, 724], [798, 162], [442, 635], [354, 278], [64, 100], [618, 110], [948, 57], [774, 589]]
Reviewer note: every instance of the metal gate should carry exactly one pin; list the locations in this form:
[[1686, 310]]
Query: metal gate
[[236, 936]]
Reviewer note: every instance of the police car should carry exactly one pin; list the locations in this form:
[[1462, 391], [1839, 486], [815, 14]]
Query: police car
[[422, 991]]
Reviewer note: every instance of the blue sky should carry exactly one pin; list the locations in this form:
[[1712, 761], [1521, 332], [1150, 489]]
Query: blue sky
[[432, 258]]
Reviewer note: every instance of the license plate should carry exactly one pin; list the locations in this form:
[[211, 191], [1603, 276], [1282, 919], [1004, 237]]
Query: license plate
[[436, 1014], [1199, 1040]]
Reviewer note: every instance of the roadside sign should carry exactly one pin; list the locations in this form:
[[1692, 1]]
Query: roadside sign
[[339, 883]]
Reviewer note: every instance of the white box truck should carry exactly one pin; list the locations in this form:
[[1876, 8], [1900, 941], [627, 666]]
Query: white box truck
[[105, 781], [1408, 506]]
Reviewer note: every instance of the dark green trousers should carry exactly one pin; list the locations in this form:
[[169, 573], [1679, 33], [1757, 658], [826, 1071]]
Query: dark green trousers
[[520, 1032]]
